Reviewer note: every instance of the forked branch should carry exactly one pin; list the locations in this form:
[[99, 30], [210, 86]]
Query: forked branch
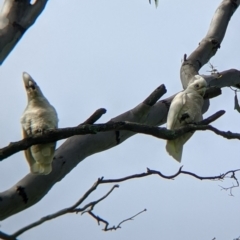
[[88, 208], [83, 129]]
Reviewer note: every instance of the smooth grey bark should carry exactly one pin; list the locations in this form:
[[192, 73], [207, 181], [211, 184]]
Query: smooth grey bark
[[15, 18], [209, 45], [32, 188]]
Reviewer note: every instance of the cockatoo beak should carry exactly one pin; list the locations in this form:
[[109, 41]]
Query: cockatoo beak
[[203, 90]]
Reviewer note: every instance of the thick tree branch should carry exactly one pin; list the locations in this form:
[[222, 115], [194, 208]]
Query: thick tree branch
[[155, 95], [88, 208], [228, 78], [58, 134], [76, 149], [15, 19], [210, 44], [33, 187], [72, 209], [95, 116]]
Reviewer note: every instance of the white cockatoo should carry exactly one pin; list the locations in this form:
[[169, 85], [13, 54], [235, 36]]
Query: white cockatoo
[[38, 116], [186, 107]]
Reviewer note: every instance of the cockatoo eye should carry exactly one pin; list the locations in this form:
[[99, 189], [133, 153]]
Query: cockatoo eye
[[197, 85]]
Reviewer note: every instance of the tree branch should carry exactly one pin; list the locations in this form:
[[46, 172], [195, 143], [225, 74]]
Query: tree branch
[[95, 116], [180, 171], [155, 95], [106, 228], [15, 19], [88, 208], [210, 44], [228, 78], [62, 133], [72, 209], [77, 148]]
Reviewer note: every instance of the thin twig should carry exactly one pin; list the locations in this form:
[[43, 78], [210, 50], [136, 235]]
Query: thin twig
[[70, 209], [233, 186], [88, 208], [180, 171], [91, 205], [128, 219], [106, 228]]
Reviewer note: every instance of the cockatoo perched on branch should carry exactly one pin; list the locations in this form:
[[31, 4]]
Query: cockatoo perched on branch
[[38, 116], [186, 107]]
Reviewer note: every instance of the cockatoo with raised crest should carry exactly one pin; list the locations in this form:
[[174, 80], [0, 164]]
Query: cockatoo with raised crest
[[38, 116], [186, 107]]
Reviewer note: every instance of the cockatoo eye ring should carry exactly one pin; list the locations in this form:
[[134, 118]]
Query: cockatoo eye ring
[[197, 85]]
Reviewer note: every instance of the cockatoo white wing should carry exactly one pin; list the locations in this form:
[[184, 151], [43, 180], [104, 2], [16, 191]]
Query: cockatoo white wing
[[174, 120], [27, 153], [38, 117], [175, 110], [186, 107]]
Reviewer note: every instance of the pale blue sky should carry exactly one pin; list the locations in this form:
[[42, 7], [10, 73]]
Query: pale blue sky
[[113, 54]]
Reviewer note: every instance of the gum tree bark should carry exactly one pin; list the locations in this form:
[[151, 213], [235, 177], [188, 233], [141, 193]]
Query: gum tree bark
[[210, 44], [15, 19], [31, 189]]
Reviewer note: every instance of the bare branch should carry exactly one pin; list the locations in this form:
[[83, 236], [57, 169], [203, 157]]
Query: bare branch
[[71, 209], [12, 202], [62, 133], [106, 228], [210, 44], [155, 95], [212, 92], [211, 118], [180, 171], [95, 116], [56, 134], [128, 219], [15, 19], [6, 236], [91, 205], [88, 208], [233, 185], [228, 78], [76, 149]]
